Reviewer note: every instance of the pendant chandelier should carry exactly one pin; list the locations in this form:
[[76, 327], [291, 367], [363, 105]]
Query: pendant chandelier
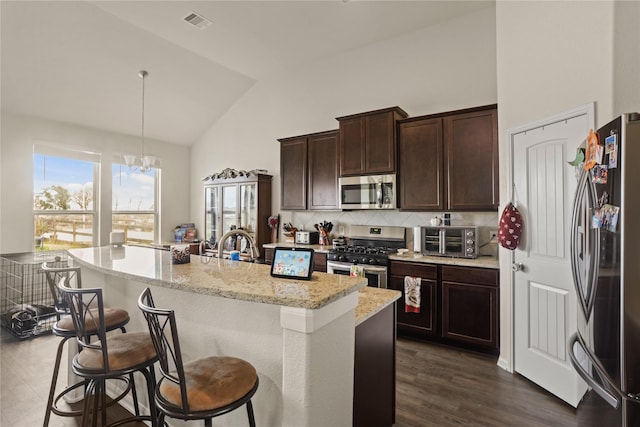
[[146, 162]]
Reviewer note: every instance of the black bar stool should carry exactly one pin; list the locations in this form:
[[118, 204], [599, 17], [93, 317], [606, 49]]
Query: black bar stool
[[202, 389], [108, 357], [114, 318]]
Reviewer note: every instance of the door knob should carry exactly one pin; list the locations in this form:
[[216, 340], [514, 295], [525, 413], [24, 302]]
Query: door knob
[[517, 266]]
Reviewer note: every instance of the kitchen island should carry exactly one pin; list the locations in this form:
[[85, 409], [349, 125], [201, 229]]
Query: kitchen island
[[298, 334]]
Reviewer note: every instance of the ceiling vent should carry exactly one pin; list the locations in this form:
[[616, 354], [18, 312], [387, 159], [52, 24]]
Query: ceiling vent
[[197, 20]]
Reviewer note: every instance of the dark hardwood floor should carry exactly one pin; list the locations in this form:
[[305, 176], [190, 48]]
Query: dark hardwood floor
[[436, 386]]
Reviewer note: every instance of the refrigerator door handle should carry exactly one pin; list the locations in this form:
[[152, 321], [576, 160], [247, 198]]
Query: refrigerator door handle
[[584, 246], [605, 390]]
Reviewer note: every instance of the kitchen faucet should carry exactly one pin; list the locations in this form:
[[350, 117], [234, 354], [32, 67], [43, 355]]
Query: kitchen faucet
[[254, 252]]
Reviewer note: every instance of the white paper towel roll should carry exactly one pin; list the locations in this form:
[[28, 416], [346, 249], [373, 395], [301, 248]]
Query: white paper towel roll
[[417, 244]]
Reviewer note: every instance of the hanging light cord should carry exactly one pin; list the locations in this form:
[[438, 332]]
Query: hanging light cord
[[143, 74]]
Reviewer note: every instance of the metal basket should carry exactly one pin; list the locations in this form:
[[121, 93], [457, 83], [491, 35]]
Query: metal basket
[[26, 303]]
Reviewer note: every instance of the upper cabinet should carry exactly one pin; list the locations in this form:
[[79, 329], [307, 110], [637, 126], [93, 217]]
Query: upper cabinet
[[309, 171], [449, 161], [368, 142], [421, 177]]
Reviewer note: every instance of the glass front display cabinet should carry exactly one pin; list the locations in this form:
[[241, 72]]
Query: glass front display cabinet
[[238, 203]]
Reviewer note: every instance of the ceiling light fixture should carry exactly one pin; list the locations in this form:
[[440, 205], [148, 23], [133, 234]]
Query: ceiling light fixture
[[146, 162]]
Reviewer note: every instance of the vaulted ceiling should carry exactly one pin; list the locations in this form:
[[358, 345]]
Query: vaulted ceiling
[[78, 61]]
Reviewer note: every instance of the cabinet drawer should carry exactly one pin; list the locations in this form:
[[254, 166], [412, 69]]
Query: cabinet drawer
[[425, 271], [475, 275], [320, 262]]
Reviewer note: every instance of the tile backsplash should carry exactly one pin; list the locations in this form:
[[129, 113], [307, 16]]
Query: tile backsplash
[[485, 221]]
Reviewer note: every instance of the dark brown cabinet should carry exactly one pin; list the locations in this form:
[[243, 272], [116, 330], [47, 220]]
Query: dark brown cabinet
[[449, 161], [470, 305], [425, 322], [368, 142], [421, 173], [459, 305], [309, 171], [374, 379]]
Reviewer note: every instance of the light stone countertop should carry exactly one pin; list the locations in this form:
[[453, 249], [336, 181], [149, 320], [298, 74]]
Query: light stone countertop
[[219, 277], [372, 300], [481, 261]]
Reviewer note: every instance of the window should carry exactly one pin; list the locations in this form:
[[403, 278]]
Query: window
[[134, 203], [63, 198]]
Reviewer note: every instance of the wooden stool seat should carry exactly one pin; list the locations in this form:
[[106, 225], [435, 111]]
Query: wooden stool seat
[[126, 353], [212, 383], [114, 318]]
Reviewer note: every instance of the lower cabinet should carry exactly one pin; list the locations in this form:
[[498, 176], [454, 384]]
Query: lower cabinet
[[374, 382], [459, 305], [425, 322]]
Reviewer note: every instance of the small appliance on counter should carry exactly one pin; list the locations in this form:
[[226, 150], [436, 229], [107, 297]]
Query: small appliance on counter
[[451, 241], [307, 237]]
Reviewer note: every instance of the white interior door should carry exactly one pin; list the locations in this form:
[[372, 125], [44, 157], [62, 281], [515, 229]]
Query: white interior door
[[545, 302]]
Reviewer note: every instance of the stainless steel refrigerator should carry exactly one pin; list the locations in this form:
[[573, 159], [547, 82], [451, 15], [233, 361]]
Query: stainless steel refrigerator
[[605, 255]]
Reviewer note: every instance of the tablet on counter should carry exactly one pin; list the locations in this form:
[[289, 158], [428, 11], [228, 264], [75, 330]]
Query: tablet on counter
[[292, 263]]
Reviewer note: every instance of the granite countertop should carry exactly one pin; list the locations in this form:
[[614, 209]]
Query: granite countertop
[[219, 277], [481, 261], [372, 300]]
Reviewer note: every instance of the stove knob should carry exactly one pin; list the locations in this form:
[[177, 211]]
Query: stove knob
[[372, 261], [342, 258], [364, 260]]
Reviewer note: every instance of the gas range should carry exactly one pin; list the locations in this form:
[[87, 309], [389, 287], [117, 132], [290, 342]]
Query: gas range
[[376, 255], [369, 245]]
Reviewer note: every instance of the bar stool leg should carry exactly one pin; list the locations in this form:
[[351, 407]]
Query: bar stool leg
[[54, 381]]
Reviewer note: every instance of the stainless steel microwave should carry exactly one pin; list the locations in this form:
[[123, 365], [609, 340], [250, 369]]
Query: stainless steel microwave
[[452, 241], [368, 192]]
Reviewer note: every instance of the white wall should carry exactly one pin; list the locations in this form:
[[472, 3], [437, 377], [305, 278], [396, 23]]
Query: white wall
[[442, 68], [626, 77], [551, 57], [19, 133]]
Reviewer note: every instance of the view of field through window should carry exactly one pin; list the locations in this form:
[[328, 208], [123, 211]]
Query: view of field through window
[[65, 212]]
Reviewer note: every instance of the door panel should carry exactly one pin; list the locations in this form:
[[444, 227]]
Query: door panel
[[545, 309]]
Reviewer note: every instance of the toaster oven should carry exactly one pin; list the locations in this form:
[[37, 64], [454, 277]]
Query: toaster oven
[[451, 241]]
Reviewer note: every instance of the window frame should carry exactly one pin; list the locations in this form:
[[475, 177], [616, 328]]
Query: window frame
[[65, 152], [119, 160]]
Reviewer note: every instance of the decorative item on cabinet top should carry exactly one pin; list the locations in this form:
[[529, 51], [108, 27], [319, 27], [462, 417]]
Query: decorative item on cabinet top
[[230, 173]]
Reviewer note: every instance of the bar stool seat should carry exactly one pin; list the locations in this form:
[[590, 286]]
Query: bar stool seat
[[108, 357], [212, 382], [114, 318], [201, 389]]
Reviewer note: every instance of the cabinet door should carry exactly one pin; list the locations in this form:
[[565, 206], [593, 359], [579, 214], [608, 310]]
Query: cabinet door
[[211, 220], [469, 313], [423, 323], [471, 154], [352, 151], [293, 174], [421, 169], [323, 171], [229, 208], [249, 207], [320, 262], [380, 143]]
